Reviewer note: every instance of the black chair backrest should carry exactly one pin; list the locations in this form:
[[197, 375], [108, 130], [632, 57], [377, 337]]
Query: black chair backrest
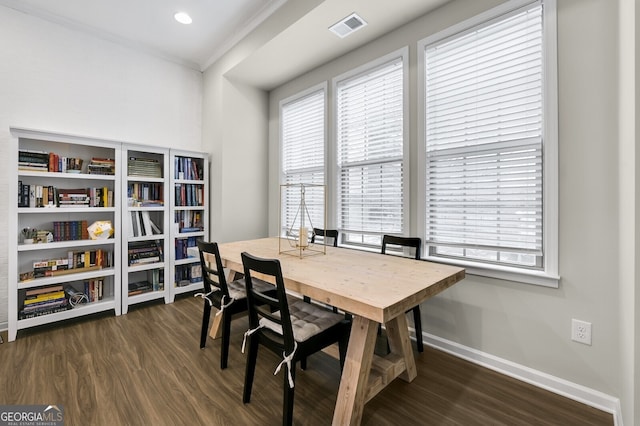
[[325, 233], [212, 276], [411, 242], [262, 305]]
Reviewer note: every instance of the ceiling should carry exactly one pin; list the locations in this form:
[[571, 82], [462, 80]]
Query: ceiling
[[307, 43], [148, 25]]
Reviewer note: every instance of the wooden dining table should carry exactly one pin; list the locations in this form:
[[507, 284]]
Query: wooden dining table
[[375, 289]]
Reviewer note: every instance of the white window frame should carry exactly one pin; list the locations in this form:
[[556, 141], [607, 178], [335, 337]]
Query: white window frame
[[548, 275], [402, 53], [281, 175]]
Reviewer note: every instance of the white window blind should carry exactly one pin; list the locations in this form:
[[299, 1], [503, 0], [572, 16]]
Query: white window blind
[[484, 142], [370, 154], [303, 148]]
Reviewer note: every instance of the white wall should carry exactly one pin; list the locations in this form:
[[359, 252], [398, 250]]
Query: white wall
[[526, 324], [235, 134], [629, 206], [59, 80]]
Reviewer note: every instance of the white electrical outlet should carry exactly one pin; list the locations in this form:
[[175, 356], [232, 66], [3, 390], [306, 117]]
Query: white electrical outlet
[[581, 331]]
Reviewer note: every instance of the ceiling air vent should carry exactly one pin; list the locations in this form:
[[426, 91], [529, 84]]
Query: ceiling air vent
[[347, 25]]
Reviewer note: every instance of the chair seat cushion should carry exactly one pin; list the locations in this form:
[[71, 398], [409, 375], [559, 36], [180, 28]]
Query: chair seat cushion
[[307, 320], [237, 288]]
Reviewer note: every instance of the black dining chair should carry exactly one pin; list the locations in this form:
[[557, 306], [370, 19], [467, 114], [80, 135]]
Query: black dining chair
[[324, 233], [229, 298], [410, 243], [293, 330]]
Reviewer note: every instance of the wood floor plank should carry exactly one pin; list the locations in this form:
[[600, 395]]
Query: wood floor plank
[[146, 367]]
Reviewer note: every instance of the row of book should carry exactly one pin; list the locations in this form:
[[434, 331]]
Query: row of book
[[189, 195], [43, 301], [189, 220], [76, 261], [70, 230], [93, 292], [94, 289], [146, 167], [102, 166], [141, 224], [42, 161], [143, 252], [145, 194], [188, 274], [187, 168], [49, 196], [186, 247], [54, 298], [154, 282]]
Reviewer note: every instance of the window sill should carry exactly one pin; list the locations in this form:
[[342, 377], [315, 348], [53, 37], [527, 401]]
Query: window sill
[[524, 276], [490, 271]]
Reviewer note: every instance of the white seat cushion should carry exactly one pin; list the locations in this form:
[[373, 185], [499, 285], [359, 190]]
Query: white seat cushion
[[237, 289], [307, 320]]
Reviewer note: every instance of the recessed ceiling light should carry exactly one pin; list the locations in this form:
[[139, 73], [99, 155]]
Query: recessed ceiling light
[[183, 18]]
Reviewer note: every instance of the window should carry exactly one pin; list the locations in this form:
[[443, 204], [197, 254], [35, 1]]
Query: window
[[489, 153], [370, 142], [303, 157]]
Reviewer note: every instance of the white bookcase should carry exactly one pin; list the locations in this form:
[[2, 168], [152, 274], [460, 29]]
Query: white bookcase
[[60, 257], [145, 225], [189, 201], [157, 205]]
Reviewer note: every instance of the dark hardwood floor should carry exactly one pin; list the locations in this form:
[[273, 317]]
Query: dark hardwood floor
[[146, 368]]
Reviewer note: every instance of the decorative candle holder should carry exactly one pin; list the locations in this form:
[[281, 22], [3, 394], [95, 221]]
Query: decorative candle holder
[[298, 203]]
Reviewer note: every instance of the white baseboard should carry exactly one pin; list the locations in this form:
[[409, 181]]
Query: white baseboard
[[591, 397]]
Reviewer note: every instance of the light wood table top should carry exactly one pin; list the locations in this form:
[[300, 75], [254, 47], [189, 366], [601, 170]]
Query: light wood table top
[[364, 283], [374, 288]]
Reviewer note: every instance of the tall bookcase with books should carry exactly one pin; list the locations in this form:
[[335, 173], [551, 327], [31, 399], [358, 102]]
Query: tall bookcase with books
[[145, 220], [190, 218], [64, 256]]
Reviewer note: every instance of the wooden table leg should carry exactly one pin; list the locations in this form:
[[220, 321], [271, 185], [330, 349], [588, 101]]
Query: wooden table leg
[[215, 332], [400, 344], [355, 375]]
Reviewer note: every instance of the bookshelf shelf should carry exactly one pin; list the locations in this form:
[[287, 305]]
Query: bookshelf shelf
[[146, 266], [65, 244], [186, 261], [105, 304], [188, 182], [80, 276], [190, 234], [189, 204], [147, 209], [177, 208], [63, 210], [188, 288], [148, 179], [147, 238], [146, 296], [42, 274], [57, 175]]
